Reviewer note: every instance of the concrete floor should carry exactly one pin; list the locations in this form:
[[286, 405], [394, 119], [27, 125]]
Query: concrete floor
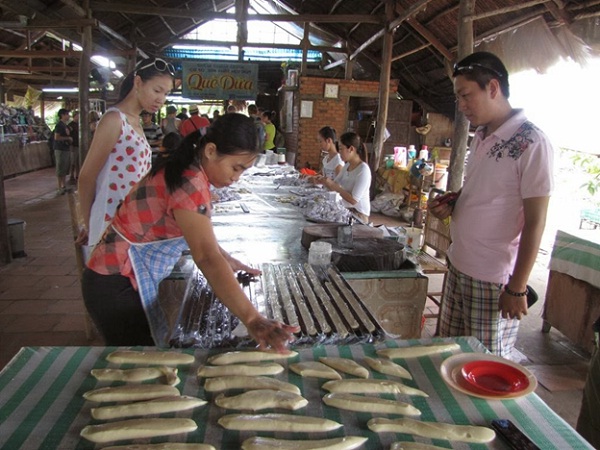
[[41, 304]]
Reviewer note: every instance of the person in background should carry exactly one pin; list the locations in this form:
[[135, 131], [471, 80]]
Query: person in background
[[94, 118], [152, 131], [170, 143], [170, 124], [354, 180], [62, 149], [194, 123], [499, 215], [332, 161], [267, 120], [120, 155], [167, 212], [231, 109], [183, 115], [74, 131], [260, 128], [216, 114]]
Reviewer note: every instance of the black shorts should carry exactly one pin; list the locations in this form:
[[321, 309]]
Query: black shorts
[[116, 309]]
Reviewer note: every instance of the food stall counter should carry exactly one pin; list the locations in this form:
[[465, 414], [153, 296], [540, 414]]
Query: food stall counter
[[262, 226]]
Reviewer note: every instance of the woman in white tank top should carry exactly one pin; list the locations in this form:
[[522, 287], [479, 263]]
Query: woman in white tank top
[[119, 154]]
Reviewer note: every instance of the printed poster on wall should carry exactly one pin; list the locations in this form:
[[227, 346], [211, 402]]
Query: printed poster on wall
[[220, 80]]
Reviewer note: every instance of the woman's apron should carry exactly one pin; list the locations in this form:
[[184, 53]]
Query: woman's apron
[[152, 262]]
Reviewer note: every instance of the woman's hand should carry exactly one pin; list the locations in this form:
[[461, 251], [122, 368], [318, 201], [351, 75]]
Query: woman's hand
[[271, 334], [82, 237], [327, 182], [238, 266]]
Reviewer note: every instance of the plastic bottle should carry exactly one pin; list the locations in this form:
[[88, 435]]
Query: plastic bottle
[[400, 156], [412, 155], [424, 153]]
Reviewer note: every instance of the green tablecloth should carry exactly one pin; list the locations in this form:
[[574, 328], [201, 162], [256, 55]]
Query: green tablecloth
[[577, 253], [41, 403]]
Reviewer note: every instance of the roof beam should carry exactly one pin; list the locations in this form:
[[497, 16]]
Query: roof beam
[[199, 42], [51, 24], [56, 53], [559, 13], [411, 52], [46, 77], [103, 27], [144, 9], [429, 37], [40, 68], [587, 15], [409, 12], [504, 10], [583, 5]]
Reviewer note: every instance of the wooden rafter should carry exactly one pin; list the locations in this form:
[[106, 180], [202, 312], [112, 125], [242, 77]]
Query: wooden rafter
[[404, 14], [583, 5], [51, 24], [559, 14], [504, 10], [40, 68], [144, 9], [430, 37]]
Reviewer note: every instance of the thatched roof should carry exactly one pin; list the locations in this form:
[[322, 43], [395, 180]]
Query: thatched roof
[[529, 34]]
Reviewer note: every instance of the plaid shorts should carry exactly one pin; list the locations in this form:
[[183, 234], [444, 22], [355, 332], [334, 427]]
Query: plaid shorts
[[470, 308]]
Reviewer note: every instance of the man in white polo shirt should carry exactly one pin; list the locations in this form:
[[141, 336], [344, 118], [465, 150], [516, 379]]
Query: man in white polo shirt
[[499, 216]]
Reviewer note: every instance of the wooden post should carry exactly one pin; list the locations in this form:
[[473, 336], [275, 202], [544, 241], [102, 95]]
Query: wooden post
[[349, 68], [305, 46], [5, 253], [384, 89], [241, 13], [84, 86], [461, 124]]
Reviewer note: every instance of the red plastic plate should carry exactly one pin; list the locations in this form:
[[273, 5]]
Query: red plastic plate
[[494, 377]]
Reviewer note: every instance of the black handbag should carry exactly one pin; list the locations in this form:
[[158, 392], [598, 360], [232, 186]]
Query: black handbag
[[532, 296]]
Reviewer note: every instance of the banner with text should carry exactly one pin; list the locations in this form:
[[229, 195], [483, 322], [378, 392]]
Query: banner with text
[[220, 80]]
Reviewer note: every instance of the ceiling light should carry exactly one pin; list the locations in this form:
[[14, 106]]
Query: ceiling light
[[61, 89]]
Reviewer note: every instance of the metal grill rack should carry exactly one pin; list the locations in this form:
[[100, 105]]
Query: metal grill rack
[[317, 298]]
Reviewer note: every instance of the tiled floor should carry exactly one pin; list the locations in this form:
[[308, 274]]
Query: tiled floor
[[40, 297]]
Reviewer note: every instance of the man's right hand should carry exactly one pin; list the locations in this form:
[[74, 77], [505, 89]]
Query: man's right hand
[[443, 205]]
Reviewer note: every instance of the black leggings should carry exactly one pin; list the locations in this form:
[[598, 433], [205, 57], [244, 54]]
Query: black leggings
[[116, 309]]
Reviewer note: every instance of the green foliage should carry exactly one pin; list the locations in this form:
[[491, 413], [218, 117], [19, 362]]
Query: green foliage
[[590, 165]]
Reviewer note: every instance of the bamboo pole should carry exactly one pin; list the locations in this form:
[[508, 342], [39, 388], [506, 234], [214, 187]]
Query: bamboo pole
[[461, 124], [384, 90], [5, 254], [84, 87]]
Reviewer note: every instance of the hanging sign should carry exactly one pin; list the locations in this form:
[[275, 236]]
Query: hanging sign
[[220, 80]]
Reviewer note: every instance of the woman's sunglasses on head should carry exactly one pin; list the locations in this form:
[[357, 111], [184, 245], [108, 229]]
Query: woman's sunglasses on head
[[159, 64]]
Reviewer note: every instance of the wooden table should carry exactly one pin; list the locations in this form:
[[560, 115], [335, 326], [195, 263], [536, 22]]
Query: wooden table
[[41, 403], [573, 294]]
